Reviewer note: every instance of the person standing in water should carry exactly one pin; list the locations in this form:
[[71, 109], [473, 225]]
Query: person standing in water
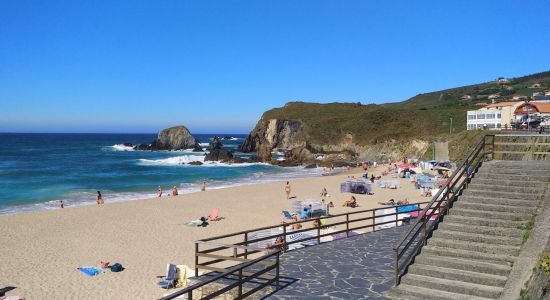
[[159, 192], [174, 191], [203, 186], [287, 190], [61, 204], [99, 198]]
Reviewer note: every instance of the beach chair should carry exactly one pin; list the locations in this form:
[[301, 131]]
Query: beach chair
[[214, 215], [288, 215], [171, 277]]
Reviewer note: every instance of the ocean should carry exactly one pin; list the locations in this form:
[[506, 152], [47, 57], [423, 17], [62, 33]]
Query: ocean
[[38, 170]]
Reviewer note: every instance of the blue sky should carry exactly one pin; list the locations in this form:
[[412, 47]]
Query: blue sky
[[216, 66]]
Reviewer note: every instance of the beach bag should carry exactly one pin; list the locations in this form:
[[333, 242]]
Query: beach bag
[[116, 267]]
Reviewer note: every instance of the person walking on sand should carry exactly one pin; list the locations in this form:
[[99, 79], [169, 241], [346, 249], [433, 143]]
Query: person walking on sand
[[203, 186], [159, 192], [174, 191], [287, 190], [99, 198]]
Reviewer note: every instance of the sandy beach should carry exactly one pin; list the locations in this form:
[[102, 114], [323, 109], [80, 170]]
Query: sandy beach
[[40, 251]]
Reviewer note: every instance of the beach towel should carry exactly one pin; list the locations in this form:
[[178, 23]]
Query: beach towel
[[90, 271]]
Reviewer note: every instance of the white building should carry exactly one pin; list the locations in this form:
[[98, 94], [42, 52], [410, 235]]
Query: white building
[[495, 116]]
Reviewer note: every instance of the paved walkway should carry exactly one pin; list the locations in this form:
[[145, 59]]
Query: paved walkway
[[359, 267]]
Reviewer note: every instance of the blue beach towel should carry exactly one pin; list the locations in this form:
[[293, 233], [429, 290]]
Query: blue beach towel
[[407, 208], [90, 271]]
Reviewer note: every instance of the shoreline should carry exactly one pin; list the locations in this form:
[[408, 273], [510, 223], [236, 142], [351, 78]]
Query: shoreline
[[145, 235], [183, 189]]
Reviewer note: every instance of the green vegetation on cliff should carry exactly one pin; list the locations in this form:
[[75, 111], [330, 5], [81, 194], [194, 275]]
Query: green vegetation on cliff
[[424, 116]]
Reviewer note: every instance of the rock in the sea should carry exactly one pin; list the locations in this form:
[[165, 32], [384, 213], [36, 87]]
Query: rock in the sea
[[174, 138], [227, 137], [300, 154], [310, 166], [215, 144], [128, 145], [219, 155], [195, 163]]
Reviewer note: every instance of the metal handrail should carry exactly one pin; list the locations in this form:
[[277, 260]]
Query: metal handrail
[[189, 290], [409, 237]]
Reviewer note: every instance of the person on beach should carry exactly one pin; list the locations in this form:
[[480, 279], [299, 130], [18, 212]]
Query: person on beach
[[324, 192], [99, 198], [203, 186], [287, 190], [174, 191], [159, 192], [351, 202], [297, 225], [61, 204]]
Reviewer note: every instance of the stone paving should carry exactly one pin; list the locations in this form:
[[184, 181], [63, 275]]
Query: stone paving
[[359, 267]]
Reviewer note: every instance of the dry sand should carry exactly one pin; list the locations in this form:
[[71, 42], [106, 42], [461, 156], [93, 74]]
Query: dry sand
[[40, 251]]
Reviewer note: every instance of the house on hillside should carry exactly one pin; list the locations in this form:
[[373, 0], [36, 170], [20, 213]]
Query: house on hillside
[[519, 97], [494, 116], [502, 80], [533, 111], [466, 97], [494, 96], [535, 86]]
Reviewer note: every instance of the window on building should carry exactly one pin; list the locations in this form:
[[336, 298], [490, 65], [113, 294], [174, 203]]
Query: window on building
[[499, 115], [490, 116]]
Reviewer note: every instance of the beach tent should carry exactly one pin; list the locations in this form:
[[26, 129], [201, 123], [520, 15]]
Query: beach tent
[[356, 187], [318, 208]]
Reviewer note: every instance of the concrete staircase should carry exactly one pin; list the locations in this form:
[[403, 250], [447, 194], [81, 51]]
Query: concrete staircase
[[471, 253]]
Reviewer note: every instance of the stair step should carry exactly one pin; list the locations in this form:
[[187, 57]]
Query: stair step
[[458, 275], [511, 183], [479, 229], [496, 201], [498, 194], [453, 286], [477, 238], [464, 264], [496, 207], [504, 188], [517, 178], [405, 291], [500, 259], [471, 220], [474, 246], [518, 216], [513, 171]]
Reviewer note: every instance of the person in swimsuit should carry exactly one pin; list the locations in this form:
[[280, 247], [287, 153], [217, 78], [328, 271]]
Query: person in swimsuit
[[287, 190], [99, 198]]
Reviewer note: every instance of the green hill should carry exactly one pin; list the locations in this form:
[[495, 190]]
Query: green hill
[[422, 116]]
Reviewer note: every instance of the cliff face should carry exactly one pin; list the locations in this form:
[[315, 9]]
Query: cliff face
[[274, 134]]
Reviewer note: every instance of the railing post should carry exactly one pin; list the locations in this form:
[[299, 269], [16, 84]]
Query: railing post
[[424, 227], [284, 237], [396, 266], [319, 230], [196, 259], [277, 271], [246, 244], [190, 295], [493, 152], [235, 252], [240, 283], [373, 221], [347, 225]]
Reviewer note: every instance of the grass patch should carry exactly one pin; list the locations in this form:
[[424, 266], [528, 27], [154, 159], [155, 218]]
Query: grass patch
[[527, 228]]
